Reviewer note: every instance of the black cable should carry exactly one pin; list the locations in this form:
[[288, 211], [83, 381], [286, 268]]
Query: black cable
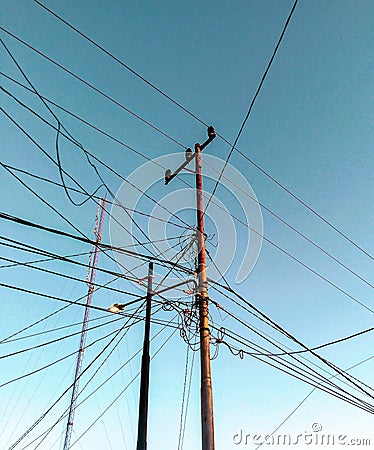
[[305, 398], [40, 260], [287, 364], [268, 338], [303, 376], [37, 250], [60, 359], [291, 227], [188, 400], [58, 131], [264, 351], [267, 353], [355, 401], [285, 252], [91, 86], [27, 223], [88, 153], [61, 215], [55, 183], [327, 344], [126, 66], [88, 383], [253, 101], [279, 248], [49, 315], [293, 338], [64, 414], [69, 277], [134, 72], [60, 338], [168, 97], [44, 201], [65, 391], [52, 330], [71, 302], [183, 398], [123, 390], [59, 161]]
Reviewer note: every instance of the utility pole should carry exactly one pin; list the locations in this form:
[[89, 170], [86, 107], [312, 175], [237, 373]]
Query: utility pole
[[207, 422], [144, 378], [91, 287]]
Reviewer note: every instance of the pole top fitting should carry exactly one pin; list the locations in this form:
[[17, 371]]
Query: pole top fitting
[[211, 133], [168, 174]]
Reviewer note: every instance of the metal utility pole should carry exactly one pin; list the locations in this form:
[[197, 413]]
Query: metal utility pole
[[91, 287], [144, 377], [207, 422]]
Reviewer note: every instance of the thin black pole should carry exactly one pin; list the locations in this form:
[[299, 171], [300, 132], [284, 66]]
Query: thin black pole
[[144, 380]]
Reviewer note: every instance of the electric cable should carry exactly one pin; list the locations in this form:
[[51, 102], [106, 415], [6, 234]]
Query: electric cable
[[191, 114], [20, 439], [293, 338], [253, 101], [27, 223], [91, 86], [305, 398], [291, 227], [306, 266], [58, 125]]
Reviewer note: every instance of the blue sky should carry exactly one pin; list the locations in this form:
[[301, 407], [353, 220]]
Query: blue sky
[[311, 129]]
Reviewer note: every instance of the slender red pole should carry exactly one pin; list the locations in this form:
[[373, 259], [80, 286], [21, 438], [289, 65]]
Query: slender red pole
[[91, 286]]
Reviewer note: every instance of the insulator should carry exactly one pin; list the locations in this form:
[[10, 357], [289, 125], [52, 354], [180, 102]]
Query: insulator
[[168, 174], [211, 133], [188, 154]]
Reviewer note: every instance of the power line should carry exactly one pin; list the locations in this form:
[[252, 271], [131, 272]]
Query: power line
[[55, 183], [269, 338], [72, 139], [42, 319], [295, 370], [233, 146], [353, 400], [91, 86], [281, 249], [327, 344], [309, 375], [291, 227], [253, 101], [60, 171], [306, 397], [40, 260], [270, 242], [86, 151], [60, 359], [37, 250], [111, 55], [53, 330], [27, 432], [122, 391], [297, 341], [89, 241]]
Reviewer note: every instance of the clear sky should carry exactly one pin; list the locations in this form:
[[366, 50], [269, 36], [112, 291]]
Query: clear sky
[[311, 129]]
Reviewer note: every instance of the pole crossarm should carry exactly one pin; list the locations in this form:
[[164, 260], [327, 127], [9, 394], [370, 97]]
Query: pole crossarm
[[169, 175]]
